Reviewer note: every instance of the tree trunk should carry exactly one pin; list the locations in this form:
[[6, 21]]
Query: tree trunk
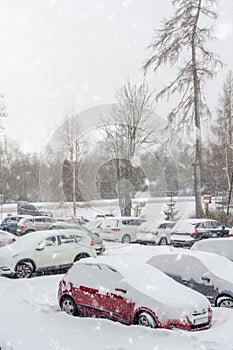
[[197, 123]]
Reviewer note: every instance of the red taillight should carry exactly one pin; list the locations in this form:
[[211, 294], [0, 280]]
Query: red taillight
[[21, 227], [155, 233], [92, 242], [116, 229], [194, 234], [230, 234]]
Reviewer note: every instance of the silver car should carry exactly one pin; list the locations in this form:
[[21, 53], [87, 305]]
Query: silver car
[[34, 223], [118, 229], [207, 273]]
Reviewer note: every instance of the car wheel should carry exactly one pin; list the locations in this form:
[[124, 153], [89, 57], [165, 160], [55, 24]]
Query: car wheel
[[68, 305], [225, 302], [24, 270], [147, 320], [126, 239], [163, 241], [28, 231], [81, 256]]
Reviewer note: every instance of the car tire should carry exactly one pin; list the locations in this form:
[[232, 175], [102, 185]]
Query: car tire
[[28, 231], [68, 305], [24, 269], [225, 302], [147, 320], [163, 241], [126, 239], [81, 256]]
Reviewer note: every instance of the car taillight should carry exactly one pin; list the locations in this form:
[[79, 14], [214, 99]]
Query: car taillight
[[116, 229], [92, 242], [230, 234], [155, 233], [21, 227], [194, 234]]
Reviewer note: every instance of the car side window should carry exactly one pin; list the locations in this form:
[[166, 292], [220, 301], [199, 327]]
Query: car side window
[[50, 241], [39, 220], [64, 239], [162, 226], [216, 224], [96, 276]]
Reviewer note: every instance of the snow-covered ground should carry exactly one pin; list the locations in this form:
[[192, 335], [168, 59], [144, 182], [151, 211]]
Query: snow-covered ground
[[30, 318]]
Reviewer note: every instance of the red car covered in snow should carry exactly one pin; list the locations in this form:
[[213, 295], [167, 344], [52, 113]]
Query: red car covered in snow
[[125, 289]]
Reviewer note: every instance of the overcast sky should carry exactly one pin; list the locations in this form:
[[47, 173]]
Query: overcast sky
[[60, 56]]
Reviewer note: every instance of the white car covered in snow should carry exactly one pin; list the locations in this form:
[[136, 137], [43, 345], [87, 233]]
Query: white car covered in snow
[[128, 290], [45, 251], [155, 232]]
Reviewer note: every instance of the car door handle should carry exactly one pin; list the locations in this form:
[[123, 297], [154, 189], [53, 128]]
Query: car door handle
[[120, 290]]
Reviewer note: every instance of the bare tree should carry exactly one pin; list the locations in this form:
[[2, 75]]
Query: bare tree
[[223, 128], [126, 134], [181, 43]]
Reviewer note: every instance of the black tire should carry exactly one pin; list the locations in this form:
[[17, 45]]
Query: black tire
[[81, 256], [147, 320], [126, 239], [24, 269], [163, 241], [68, 305], [28, 231], [225, 302]]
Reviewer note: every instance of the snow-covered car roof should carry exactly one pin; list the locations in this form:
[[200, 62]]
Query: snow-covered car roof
[[149, 280], [222, 246], [31, 238], [217, 264]]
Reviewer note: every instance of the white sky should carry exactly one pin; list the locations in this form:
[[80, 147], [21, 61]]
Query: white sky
[[60, 56]]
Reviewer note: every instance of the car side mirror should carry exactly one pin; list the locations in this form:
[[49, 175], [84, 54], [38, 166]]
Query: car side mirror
[[205, 278], [223, 227], [40, 246], [121, 287]]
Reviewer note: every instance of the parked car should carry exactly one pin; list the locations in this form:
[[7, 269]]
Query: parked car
[[128, 290], [119, 229], [10, 223], [45, 251], [221, 246], [186, 232], [74, 220], [34, 223], [207, 273], [24, 208], [99, 245], [155, 232], [6, 238]]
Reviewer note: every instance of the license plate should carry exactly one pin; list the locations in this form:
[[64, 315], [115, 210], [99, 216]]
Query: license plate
[[200, 320]]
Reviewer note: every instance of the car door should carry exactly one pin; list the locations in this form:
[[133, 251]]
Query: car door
[[99, 293], [40, 224], [197, 276], [68, 248], [187, 270], [47, 252]]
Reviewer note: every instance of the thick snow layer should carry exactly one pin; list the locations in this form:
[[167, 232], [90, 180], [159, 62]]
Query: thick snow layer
[[30, 319]]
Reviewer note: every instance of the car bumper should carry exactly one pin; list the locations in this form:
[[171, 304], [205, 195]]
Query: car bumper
[[182, 244]]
